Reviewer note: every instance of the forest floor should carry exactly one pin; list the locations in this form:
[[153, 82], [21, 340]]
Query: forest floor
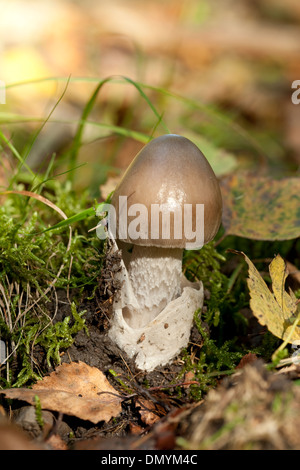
[[86, 87]]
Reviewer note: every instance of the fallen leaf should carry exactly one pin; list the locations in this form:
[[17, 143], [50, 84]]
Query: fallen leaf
[[74, 389], [261, 208], [247, 359], [56, 442], [150, 413], [278, 309], [135, 429]]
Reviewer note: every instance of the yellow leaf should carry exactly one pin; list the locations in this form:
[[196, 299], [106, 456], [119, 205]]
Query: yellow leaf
[[277, 310]]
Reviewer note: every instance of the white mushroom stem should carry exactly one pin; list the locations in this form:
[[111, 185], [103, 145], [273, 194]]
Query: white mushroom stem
[[155, 276], [158, 341]]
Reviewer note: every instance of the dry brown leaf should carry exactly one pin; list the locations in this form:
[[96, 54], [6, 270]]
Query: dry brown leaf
[[56, 442], [74, 389], [247, 359], [150, 412]]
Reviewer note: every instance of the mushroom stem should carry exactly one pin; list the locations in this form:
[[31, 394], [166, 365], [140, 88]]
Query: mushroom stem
[[155, 276]]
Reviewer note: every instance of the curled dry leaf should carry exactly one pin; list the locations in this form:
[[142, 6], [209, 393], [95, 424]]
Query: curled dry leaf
[[247, 359], [150, 413], [56, 442], [74, 389]]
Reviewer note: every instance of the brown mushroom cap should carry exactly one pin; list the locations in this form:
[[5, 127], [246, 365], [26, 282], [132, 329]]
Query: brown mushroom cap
[[171, 170]]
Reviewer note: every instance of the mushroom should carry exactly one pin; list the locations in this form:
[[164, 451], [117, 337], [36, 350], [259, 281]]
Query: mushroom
[[168, 200]]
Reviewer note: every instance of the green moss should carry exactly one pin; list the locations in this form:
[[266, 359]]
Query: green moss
[[219, 323], [204, 265], [59, 336], [38, 412], [34, 264], [52, 338], [211, 362]]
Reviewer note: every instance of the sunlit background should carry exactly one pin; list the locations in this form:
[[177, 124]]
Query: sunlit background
[[217, 71]]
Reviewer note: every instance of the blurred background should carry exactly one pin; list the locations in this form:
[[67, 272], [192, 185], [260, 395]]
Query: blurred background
[[217, 71]]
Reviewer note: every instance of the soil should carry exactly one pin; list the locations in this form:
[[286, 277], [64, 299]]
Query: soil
[[97, 350]]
